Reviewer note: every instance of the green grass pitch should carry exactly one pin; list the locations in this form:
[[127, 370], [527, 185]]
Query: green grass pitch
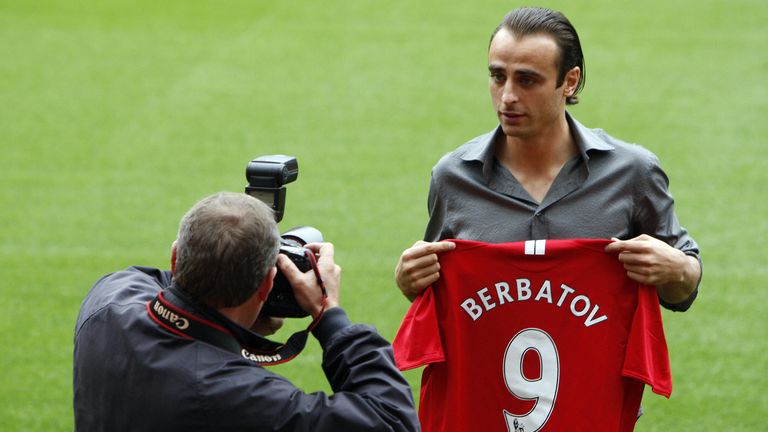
[[115, 117]]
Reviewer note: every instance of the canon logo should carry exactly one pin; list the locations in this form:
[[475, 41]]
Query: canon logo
[[181, 323], [261, 358]]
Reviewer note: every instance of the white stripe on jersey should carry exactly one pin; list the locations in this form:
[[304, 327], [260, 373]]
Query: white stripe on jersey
[[535, 247]]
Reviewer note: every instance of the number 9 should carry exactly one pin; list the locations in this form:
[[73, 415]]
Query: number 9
[[543, 389]]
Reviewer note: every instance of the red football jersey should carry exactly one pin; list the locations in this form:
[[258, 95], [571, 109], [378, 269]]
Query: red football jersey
[[545, 335]]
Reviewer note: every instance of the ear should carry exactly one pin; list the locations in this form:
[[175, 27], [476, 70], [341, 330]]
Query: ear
[[266, 284], [173, 257], [571, 81]]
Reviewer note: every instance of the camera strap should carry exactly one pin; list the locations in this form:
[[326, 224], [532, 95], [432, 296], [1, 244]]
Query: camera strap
[[172, 310]]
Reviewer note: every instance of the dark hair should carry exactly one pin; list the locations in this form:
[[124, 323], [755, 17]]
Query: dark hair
[[226, 245], [534, 20]]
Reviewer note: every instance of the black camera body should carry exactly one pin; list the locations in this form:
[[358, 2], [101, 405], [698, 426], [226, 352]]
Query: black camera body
[[267, 176]]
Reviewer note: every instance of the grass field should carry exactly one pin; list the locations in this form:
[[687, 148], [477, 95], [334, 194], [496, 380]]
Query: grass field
[[115, 117]]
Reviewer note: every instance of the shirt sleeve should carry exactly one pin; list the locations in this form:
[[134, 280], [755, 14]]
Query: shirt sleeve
[[436, 214], [647, 358], [417, 342], [656, 217]]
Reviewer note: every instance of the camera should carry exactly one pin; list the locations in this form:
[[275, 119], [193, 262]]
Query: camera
[[267, 177]]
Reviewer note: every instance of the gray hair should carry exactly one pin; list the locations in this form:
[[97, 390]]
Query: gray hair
[[226, 245]]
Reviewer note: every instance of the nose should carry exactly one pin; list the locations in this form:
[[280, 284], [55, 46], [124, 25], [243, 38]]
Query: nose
[[508, 93]]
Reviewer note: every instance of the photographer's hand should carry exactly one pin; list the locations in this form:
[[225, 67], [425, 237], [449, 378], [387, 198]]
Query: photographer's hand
[[267, 325], [305, 286]]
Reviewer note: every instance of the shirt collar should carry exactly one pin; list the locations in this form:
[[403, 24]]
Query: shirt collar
[[481, 148], [587, 139]]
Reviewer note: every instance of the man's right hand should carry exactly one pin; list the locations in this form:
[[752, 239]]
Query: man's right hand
[[305, 287], [419, 268]]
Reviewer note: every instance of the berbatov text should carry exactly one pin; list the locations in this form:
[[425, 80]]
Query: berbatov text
[[502, 293]]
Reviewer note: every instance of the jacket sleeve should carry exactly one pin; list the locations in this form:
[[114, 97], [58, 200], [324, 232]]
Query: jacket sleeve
[[369, 393], [360, 367]]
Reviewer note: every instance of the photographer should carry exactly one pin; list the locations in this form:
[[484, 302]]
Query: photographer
[[136, 367]]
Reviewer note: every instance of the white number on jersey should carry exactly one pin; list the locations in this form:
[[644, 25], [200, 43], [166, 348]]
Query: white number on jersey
[[542, 389]]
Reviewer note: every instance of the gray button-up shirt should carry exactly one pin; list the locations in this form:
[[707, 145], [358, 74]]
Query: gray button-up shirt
[[610, 189]]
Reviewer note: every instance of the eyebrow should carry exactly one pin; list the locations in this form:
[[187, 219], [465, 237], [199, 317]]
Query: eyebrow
[[494, 68], [522, 72], [528, 73]]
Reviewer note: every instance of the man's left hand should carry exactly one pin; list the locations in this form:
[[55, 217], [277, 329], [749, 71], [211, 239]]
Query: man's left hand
[[650, 261]]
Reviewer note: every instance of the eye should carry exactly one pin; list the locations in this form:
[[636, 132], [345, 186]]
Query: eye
[[497, 77], [526, 81]]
